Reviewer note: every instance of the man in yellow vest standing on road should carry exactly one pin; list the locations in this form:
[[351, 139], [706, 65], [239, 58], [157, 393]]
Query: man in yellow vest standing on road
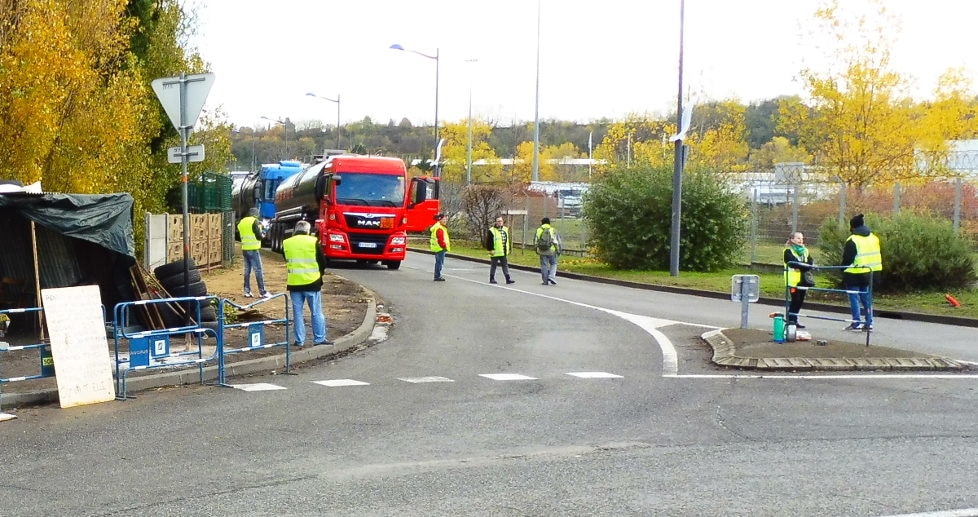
[[306, 263], [499, 242], [251, 233], [439, 244]]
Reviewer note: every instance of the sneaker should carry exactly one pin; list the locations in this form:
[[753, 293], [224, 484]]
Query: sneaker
[[266, 294], [546, 283], [297, 345], [493, 282], [510, 281], [553, 282], [854, 327], [324, 343], [440, 279], [797, 325], [248, 294], [867, 328]]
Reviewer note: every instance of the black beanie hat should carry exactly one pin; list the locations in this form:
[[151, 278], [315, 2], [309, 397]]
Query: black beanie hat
[[856, 221]]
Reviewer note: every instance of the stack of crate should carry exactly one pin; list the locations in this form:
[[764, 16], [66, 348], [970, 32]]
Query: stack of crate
[[206, 231]]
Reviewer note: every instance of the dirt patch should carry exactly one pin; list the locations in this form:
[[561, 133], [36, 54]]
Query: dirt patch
[[753, 343], [344, 302]]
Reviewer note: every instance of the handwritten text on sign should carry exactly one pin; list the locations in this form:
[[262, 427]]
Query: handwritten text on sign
[[82, 364]]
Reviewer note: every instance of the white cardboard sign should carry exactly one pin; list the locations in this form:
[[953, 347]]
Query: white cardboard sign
[[80, 349]]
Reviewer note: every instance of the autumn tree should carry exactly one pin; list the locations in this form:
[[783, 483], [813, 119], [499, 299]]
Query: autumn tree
[[777, 150], [860, 123], [455, 153], [717, 138], [638, 139]]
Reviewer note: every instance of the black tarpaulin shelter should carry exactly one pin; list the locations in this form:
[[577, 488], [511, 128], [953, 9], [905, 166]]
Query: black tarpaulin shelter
[[75, 239]]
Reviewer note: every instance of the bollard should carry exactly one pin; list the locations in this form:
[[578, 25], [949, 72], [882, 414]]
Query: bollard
[[778, 332]]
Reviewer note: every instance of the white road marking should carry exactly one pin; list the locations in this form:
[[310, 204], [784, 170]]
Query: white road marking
[[595, 375], [506, 377], [425, 379], [963, 512], [337, 383], [258, 386]]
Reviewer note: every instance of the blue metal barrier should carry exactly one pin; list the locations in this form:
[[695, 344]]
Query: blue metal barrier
[[45, 359], [847, 292], [151, 348], [256, 332]]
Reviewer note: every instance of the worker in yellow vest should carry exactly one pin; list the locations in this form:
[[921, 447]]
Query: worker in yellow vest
[[305, 263], [439, 244], [251, 232], [861, 253]]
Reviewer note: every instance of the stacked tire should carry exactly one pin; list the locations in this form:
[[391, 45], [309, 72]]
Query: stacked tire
[[171, 277]]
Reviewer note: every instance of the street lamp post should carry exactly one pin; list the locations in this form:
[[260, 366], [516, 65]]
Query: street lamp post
[[468, 146], [337, 101], [285, 128], [397, 46], [535, 176]]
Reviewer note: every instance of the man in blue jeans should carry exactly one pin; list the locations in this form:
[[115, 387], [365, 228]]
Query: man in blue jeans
[[440, 244], [306, 262], [251, 233], [861, 253]]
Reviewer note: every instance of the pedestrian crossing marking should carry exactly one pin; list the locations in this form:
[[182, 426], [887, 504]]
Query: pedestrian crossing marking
[[595, 375], [506, 377], [417, 380], [258, 386], [336, 383]]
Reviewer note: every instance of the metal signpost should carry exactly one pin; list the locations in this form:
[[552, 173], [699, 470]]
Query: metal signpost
[[745, 289], [182, 98]]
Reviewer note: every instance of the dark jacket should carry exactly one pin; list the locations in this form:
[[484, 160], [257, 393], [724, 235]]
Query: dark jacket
[[849, 252]]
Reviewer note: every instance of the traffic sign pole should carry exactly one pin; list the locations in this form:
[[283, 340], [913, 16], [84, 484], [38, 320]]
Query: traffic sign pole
[[191, 92]]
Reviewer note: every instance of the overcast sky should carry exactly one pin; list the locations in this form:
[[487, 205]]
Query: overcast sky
[[596, 59]]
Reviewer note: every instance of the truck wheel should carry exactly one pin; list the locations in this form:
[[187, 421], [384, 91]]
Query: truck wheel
[[393, 264]]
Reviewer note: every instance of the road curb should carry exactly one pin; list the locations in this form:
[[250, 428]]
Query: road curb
[[725, 354]]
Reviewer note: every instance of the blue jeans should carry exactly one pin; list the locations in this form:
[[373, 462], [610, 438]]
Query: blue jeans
[[865, 298], [439, 262], [252, 260], [548, 267], [315, 301]]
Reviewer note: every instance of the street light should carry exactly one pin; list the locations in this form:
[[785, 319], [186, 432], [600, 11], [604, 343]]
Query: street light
[[397, 46], [468, 146], [535, 176], [337, 101], [285, 127]]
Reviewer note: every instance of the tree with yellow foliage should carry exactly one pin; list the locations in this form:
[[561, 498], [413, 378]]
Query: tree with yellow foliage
[[455, 153], [861, 123]]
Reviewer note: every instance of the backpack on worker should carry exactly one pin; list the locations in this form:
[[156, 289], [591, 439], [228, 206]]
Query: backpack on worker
[[545, 241]]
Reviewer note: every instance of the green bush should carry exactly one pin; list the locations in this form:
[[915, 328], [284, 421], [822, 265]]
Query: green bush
[[628, 212], [919, 252]]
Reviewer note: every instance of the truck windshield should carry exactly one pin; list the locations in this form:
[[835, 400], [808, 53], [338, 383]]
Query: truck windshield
[[370, 189]]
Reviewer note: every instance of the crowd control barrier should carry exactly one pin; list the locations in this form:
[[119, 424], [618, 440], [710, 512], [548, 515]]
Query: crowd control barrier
[[45, 359], [149, 349], [257, 338], [787, 299]]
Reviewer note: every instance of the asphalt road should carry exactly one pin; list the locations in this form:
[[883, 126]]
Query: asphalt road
[[575, 399]]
